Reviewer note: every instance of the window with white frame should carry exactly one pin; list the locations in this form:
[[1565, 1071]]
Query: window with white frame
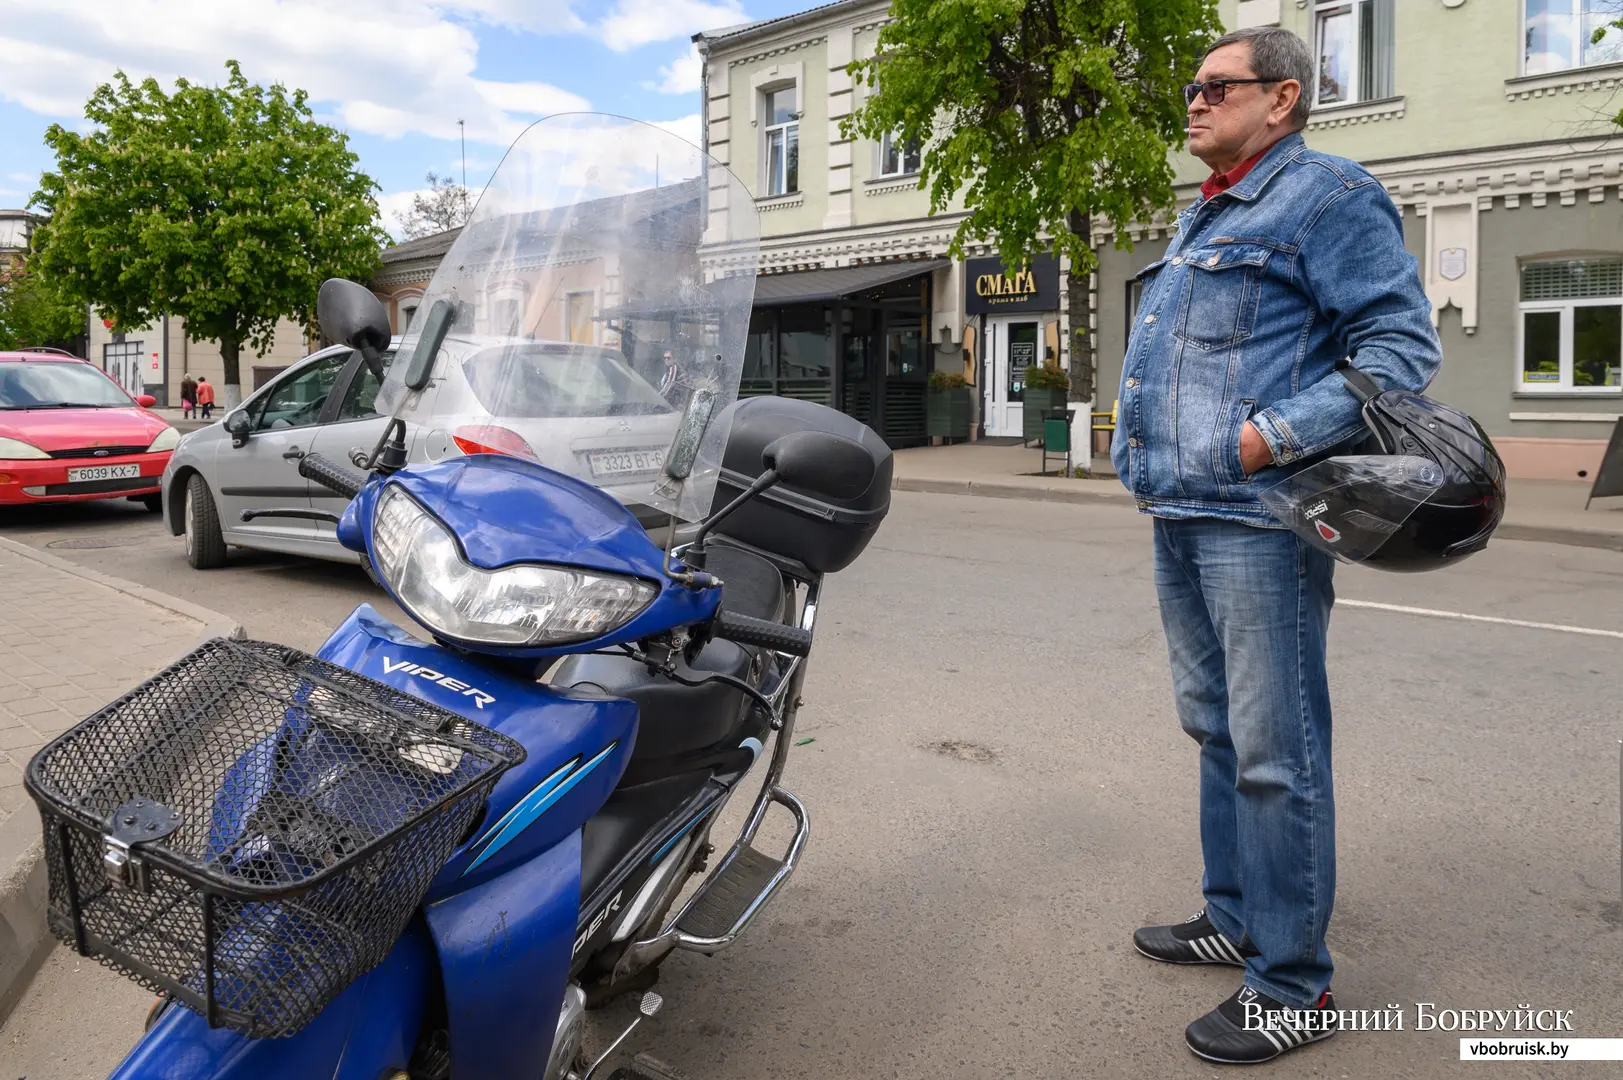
[[1560, 34], [782, 140], [1572, 325], [1355, 50], [407, 307], [898, 158]]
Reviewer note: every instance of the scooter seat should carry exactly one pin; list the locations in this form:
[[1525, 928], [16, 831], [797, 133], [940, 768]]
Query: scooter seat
[[750, 584]]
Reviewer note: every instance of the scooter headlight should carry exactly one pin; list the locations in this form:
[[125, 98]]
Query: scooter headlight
[[418, 558]]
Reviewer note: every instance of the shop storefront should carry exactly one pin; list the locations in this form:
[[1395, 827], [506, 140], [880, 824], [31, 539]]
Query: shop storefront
[[1017, 313], [855, 338]]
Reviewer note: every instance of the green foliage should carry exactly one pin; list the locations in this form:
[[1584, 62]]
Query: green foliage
[[947, 380], [1047, 377], [1044, 113], [1595, 39], [32, 313], [227, 206]]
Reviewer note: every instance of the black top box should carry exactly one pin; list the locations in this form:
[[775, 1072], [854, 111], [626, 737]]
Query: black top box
[[825, 535]]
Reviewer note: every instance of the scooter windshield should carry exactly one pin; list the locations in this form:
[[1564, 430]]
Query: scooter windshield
[[592, 315]]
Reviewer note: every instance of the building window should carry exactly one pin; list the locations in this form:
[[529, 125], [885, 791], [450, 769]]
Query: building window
[[898, 159], [1572, 325], [407, 307], [1355, 40], [1559, 34], [782, 142], [580, 308]]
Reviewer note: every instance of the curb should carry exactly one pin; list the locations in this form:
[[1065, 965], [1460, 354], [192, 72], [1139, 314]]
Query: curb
[[25, 940], [1544, 534], [994, 490]]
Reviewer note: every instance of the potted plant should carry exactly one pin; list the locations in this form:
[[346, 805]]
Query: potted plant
[[1047, 387], [949, 405]]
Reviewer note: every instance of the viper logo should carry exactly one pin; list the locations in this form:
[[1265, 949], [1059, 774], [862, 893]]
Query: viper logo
[[480, 698], [1330, 534]]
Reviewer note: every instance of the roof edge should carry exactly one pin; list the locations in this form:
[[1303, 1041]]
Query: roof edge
[[736, 35]]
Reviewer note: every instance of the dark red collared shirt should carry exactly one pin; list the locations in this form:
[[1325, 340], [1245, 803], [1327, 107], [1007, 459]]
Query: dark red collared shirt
[[1223, 181]]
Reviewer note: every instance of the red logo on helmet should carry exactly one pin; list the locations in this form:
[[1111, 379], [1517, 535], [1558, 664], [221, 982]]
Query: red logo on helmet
[[1330, 534]]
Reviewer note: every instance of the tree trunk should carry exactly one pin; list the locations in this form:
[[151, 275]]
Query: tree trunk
[[230, 355], [1077, 310]]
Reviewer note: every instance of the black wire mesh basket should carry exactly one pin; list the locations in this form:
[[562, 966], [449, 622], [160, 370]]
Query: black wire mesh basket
[[251, 829]]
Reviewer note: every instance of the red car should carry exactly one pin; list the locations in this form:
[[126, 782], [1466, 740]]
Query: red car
[[69, 433]]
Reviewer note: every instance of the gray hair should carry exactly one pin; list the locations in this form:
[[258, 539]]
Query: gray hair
[[1277, 55]]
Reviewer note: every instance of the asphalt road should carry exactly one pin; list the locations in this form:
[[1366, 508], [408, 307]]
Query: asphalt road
[[1000, 793]]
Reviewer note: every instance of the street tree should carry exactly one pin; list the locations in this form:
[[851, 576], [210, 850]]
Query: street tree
[[33, 313], [445, 205], [224, 205], [1043, 116]]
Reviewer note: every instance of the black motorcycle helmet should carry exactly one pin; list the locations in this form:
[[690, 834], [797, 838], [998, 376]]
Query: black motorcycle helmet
[[1425, 489]]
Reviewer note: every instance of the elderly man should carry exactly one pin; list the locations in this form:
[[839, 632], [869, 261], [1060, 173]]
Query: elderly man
[[1289, 261]]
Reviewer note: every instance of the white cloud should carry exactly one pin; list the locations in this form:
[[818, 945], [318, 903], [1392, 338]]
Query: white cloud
[[642, 22], [397, 202], [384, 67], [681, 76], [686, 127]]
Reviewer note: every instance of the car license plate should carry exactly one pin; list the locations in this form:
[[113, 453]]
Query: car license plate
[[103, 472], [627, 462]]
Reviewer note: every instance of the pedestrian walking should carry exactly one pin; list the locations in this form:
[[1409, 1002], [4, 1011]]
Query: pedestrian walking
[[205, 397], [188, 396], [670, 383], [1288, 261]]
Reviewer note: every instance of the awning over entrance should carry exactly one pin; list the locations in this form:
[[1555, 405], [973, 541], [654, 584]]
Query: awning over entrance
[[810, 286]]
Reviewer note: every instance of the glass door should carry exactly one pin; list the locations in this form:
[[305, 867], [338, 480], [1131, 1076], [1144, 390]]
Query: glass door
[[1011, 347]]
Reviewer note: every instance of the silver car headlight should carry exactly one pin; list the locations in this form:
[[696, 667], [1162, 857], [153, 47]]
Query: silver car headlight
[[418, 558]]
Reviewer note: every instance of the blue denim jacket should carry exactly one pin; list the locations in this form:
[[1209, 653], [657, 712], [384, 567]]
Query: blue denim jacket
[[1263, 288]]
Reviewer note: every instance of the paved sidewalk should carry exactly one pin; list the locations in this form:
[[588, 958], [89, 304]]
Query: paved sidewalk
[[71, 640], [1547, 510], [184, 424]]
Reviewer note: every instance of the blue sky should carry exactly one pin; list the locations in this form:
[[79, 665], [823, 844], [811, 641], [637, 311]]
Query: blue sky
[[395, 74]]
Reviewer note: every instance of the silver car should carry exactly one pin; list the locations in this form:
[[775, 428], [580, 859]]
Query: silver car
[[324, 405], [249, 460]]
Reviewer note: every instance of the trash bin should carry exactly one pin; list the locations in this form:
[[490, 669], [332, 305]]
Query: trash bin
[[1057, 436]]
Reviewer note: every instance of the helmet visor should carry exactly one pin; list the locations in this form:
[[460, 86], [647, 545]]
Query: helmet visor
[[1350, 506]]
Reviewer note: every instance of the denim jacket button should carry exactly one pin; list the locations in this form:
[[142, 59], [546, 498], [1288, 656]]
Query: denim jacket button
[[1134, 442], [1177, 260], [1131, 383], [1149, 318]]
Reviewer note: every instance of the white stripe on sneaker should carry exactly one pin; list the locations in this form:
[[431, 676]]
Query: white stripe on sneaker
[[1230, 950], [1271, 1037], [1203, 946]]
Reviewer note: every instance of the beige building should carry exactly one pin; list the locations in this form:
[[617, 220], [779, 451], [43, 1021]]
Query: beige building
[[16, 230], [857, 301], [154, 359]]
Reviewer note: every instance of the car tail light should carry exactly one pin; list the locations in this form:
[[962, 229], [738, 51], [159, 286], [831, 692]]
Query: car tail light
[[489, 439]]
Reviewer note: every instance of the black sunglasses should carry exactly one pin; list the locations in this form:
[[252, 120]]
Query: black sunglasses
[[1215, 90]]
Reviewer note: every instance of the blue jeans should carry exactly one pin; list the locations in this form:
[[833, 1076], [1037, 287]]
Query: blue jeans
[[1246, 612]]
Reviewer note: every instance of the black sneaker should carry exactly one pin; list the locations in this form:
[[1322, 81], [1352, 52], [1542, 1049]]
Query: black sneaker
[[1193, 941], [1223, 1036]]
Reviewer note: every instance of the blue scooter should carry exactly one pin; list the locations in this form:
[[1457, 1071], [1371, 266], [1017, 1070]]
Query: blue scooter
[[427, 856]]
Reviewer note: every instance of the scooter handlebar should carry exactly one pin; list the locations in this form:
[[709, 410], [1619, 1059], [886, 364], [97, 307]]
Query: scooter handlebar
[[330, 475], [748, 630]]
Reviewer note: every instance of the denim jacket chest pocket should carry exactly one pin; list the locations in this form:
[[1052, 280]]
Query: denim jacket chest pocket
[[1222, 286]]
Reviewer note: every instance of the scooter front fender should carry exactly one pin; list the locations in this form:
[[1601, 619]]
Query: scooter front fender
[[363, 1034]]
